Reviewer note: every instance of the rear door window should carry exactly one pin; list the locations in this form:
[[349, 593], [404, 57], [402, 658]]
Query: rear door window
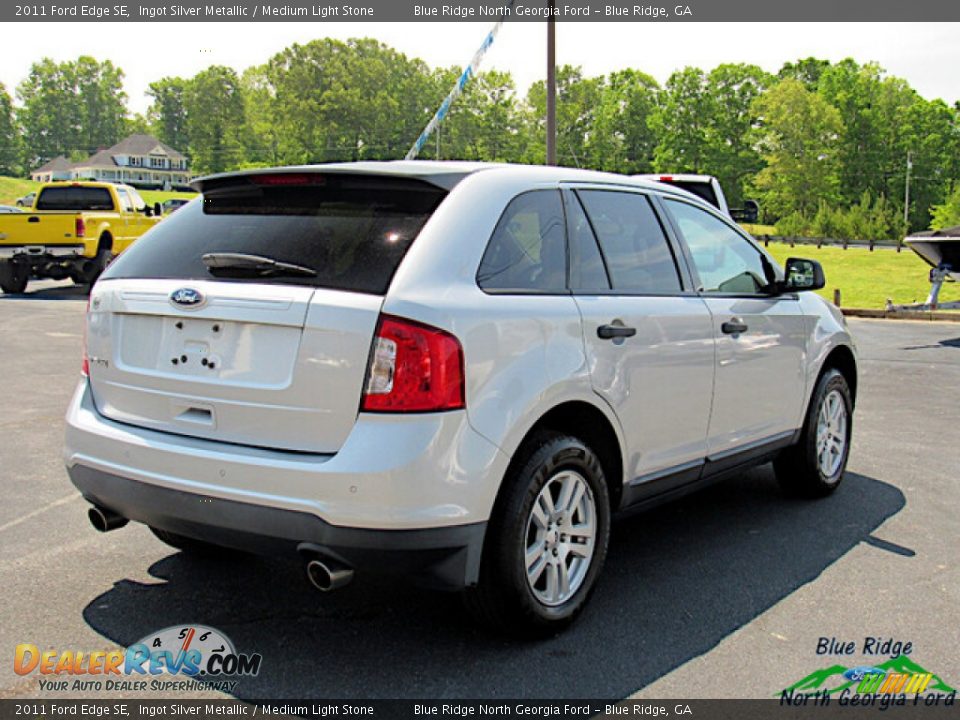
[[351, 230], [587, 269], [527, 251], [637, 253]]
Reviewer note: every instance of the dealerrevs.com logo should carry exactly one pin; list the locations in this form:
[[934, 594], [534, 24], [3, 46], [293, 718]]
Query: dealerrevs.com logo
[[180, 657]]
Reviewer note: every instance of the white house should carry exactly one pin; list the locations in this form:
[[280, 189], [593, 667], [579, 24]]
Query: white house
[[56, 169], [139, 160]]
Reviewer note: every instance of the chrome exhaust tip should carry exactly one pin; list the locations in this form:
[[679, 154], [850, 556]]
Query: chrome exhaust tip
[[326, 575], [104, 520]]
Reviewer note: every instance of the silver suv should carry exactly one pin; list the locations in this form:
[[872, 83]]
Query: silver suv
[[457, 372]]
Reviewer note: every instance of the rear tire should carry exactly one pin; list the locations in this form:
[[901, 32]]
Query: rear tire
[[546, 541], [814, 467], [190, 545], [13, 277]]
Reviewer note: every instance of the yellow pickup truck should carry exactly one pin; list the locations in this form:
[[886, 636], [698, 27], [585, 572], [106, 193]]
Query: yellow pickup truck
[[73, 230]]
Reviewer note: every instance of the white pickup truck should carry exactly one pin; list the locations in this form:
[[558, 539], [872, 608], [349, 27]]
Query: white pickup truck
[[707, 187]]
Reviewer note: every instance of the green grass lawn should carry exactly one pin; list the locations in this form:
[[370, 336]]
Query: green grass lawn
[[866, 279], [759, 229], [13, 188]]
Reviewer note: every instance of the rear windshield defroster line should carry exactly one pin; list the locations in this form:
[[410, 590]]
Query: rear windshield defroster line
[[352, 230]]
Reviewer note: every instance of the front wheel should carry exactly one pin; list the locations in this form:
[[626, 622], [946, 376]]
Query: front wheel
[[546, 541], [814, 466], [13, 277]]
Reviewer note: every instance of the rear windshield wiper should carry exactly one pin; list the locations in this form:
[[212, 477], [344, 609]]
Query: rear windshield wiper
[[254, 264]]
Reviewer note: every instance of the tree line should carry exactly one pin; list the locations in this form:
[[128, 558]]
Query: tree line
[[824, 147]]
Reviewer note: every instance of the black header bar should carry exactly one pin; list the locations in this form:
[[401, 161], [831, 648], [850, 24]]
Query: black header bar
[[473, 11]]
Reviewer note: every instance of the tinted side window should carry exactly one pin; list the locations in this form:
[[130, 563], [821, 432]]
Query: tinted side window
[[527, 251], [725, 261], [634, 245], [587, 270]]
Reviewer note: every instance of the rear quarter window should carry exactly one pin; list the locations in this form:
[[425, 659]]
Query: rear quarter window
[[527, 251], [351, 230]]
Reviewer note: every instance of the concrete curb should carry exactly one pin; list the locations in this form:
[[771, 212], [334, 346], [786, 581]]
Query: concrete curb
[[937, 315]]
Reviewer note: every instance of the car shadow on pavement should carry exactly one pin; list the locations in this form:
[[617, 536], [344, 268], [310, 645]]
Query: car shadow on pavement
[[52, 292], [678, 580]]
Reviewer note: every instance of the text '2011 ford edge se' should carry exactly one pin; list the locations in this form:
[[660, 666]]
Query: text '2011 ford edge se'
[[453, 371]]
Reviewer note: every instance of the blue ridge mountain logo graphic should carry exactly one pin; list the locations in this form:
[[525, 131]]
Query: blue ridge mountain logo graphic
[[897, 675]]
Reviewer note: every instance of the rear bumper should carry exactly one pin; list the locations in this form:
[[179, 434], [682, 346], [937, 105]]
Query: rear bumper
[[446, 558], [407, 493], [41, 253]]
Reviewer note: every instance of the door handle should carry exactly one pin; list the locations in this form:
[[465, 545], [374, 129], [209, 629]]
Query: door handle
[[33, 219], [734, 326], [609, 332]]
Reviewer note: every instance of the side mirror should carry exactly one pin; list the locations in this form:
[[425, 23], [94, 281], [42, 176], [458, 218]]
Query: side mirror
[[803, 275], [749, 213], [157, 209]]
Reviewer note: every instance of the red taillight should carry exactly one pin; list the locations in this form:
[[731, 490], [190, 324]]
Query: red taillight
[[85, 365], [79, 227], [666, 178], [413, 368]]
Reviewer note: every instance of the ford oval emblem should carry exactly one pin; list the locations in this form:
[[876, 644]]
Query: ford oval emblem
[[187, 298]]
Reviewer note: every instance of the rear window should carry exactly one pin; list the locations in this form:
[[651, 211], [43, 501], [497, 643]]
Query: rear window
[[351, 230], [703, 190], [74, 198]]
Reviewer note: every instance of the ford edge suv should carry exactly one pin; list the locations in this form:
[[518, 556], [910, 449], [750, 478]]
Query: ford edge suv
[[458, 372]]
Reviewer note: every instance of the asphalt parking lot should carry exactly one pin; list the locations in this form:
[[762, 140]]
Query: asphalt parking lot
[[723, 594]]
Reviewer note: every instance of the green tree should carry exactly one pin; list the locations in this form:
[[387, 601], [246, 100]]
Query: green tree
[[102, 109], [260, 136], [348, 100], [873, 109], [681, 121], [798, 137], [167, 114], [731, 155], [9, 136], [485, 123], [808, 71], [930, 133], [947, 214], [71, 108], [578, 99], [215, 117], [620, 139], [704, 123]]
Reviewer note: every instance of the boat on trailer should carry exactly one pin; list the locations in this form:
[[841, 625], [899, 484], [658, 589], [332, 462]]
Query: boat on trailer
[[940, 249]]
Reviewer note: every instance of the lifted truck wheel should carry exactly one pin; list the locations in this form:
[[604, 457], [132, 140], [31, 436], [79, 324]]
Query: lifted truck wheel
[[13, 277], [88, 272]]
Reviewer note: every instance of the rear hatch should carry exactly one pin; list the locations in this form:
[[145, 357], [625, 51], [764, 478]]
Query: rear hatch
[[183, 337]]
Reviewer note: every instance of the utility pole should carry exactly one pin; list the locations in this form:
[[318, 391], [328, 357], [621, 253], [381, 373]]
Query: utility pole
[[906, 192], [906, 201], [551, 85]]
